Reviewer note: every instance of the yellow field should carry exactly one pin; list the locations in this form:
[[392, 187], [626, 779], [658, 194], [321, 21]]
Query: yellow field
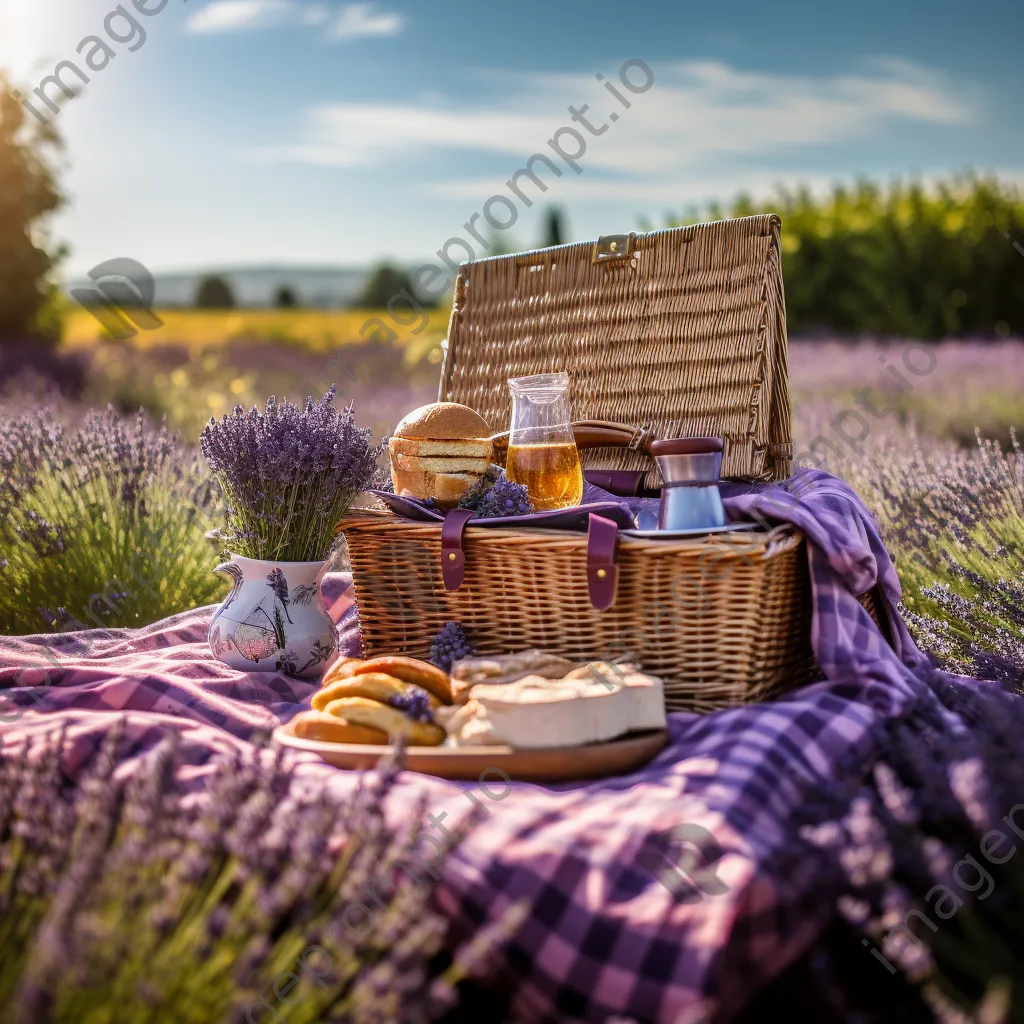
[[192, 367], [311, 329]]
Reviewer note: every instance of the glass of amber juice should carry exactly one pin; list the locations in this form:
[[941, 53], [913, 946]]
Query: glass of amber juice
[[542, 451]]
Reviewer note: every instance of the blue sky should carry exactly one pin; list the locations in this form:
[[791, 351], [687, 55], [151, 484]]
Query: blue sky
[[316, 132]]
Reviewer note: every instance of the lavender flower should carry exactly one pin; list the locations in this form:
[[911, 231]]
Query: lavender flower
[[414, 702], [191, 905], [127, 456], [505, 498], [83, 511], [948, 770], [289, 474], [44, 538], [496, 495], [449, 646], [950, 515], [29, 445]]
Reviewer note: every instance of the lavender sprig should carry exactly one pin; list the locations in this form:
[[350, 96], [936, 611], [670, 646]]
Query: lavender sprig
[[916, 829], [449, 646], [98, 525], [192, 907], [495, 495], [415, 702], [505, 498], [289, 474]]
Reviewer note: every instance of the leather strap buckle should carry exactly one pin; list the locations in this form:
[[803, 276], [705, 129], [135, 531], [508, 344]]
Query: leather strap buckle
[[453, 559], [602, 572]]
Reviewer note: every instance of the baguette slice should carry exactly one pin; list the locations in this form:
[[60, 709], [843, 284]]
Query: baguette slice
[[462, 448], [438, 464]]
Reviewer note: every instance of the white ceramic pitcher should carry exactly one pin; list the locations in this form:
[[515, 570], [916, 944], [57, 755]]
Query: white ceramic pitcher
[[274, 619]]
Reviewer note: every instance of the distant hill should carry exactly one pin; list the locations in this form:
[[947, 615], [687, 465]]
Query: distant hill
[[317, 287]]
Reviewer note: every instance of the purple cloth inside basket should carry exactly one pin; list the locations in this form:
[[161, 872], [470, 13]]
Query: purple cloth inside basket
[[575, 518], [604, 935]]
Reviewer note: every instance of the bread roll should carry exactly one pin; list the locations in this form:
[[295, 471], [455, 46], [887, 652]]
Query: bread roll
[[318, 725], [376, 686], [342, 665], [410, 670], [443, 421], [439, 451], [374, 715]]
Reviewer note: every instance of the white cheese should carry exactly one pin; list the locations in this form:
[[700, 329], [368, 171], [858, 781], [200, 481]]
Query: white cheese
[[591, 704]]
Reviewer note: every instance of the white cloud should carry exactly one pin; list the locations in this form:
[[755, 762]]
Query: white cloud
[[315, 14], [359, 20], [238, 15], [352, 22], [700, 120]]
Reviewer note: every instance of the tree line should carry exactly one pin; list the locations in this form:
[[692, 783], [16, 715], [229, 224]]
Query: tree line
[[898, 259]]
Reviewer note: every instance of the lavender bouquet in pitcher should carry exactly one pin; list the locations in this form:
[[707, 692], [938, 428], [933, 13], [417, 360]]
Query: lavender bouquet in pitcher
[[288, 474]]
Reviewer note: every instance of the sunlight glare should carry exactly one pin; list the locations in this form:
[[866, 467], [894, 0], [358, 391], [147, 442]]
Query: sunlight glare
[[22, 35]]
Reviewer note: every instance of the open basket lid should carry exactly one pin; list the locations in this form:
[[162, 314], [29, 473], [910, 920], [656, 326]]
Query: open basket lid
[[682, 331]]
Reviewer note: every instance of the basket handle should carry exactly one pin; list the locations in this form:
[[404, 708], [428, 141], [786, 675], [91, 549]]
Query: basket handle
[[598, 434]]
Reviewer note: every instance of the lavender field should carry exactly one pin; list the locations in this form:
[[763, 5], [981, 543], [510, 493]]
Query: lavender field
[[934, 454], [924, 432]]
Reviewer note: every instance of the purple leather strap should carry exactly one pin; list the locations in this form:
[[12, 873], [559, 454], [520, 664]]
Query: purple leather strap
[[602, 573], [624, 482], [453, 561]]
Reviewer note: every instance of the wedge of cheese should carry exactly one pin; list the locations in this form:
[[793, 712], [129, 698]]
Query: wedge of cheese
[[589, 705]]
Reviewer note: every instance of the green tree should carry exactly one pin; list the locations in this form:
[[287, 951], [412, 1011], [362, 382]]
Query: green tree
[[285, 297], [29, 193], [554, 227], [384, 283], [899, 259], [214, 293]]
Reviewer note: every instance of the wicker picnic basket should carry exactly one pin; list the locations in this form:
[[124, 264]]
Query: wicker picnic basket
[[679, 333]]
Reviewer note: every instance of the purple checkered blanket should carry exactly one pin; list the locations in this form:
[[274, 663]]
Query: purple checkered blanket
[[615, 929]]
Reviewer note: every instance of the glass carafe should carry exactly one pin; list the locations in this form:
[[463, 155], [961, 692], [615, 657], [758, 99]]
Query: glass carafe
[[542, 451]]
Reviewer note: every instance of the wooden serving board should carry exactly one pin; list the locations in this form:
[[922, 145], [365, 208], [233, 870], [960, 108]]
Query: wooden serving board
[[551, 764]]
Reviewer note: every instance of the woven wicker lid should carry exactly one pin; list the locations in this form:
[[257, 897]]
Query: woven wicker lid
[[682, 331]]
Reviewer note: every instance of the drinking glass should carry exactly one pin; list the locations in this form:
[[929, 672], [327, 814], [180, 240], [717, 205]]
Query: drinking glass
[[542, 452]]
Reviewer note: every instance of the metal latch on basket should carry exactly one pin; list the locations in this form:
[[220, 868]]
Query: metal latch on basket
[[602, 572], [613, 247]]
